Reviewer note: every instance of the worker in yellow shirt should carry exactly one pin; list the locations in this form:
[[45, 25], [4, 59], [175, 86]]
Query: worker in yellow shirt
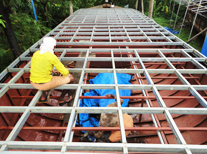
[[42, 64]]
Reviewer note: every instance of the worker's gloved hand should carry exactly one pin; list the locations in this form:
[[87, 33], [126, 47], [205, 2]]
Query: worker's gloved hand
[[71, 78]]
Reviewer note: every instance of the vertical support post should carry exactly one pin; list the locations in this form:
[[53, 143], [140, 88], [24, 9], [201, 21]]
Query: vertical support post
[[195, 19], [136, 4], [71, 8], [186, 11], [142, 6], [172, 13], [177, 15], [170, 5], [151, 8]]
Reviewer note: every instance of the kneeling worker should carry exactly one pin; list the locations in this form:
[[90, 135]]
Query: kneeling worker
[[42, 64]]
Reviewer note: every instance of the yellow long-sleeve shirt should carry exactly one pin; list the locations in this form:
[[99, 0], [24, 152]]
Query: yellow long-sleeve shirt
[[42, 65]]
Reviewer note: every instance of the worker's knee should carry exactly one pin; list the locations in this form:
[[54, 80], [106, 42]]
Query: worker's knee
[[40, 86]]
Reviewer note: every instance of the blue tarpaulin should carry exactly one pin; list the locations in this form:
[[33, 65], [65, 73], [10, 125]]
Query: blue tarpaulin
[[204, 49], [171, 30], [85, 119]]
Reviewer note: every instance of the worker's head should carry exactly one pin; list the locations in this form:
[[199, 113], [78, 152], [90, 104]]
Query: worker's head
[[48, 45]]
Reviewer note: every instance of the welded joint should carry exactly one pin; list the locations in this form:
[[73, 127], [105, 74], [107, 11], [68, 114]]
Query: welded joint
[[149, 79], [196, 63], [4, 147], [161, 54], [125, 148], [181, 78], [185, 54], [167, 38], [199, 98], [187, 150], [77, 30], [28, 65], [64, 147], [158, 97], [136, 53], [63, 54], [169, 64], [197, 53], [17, 76], [35, 99], [58, 34]]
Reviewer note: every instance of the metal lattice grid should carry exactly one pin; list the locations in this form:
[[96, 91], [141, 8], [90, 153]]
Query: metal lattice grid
[[200, 6], [115, 36]]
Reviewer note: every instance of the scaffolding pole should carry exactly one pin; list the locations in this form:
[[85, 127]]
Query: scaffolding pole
[[194, 19], [186, 11]]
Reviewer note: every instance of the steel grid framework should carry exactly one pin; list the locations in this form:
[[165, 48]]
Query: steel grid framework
[[202, 8], [112, 31]]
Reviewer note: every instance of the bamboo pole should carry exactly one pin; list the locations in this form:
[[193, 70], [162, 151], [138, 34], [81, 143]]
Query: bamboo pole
[[151, 8], [142, 6], [71, 8], [196, 35], [136, 4]]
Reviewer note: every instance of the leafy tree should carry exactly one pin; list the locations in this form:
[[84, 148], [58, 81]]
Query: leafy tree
[[87, 3], [26, 31], [31, 32], [5, 11], [161, 7]]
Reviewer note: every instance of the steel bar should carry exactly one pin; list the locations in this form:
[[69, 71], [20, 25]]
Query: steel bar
[[140, 97], [110, 128], [100, 86], [137, 110]]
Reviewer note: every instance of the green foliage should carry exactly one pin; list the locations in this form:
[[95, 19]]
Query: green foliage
[[2, 22], [5, 58], [197, 43], [161, 8], [53, 12], [18, 5], [122, 3], [27, 32]]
